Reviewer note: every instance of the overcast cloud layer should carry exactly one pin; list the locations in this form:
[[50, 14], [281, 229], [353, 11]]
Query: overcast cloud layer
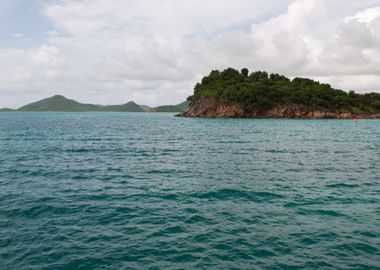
[[153, 52]]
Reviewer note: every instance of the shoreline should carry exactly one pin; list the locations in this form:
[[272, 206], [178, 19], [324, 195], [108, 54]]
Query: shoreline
[[280, 118], [213, 108]]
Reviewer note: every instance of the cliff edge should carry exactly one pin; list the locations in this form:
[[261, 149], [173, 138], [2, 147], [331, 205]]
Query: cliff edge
[[234, 94], [212, 108]]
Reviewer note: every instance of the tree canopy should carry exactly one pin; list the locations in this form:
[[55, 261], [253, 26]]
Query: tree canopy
[[264, 91]]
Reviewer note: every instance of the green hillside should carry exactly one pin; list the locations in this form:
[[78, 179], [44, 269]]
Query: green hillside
[[128, 107], [184, 105], [263, 91], [172, 108], [166, 108], [59, 103], [6, 110], [145, 107]]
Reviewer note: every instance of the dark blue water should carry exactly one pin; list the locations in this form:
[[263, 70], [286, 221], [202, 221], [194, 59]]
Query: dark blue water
[[151, 191]]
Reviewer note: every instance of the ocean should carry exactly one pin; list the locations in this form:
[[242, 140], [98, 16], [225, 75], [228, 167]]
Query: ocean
[[154, 191]]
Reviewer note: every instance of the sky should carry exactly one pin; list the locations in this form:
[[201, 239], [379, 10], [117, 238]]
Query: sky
[[154, 51]]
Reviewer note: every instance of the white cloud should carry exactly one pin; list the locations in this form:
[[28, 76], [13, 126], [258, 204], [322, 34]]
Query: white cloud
[[366, 16], [23, 69], [112, 51]]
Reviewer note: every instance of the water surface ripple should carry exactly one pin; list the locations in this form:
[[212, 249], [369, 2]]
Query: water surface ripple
[[151, 191]]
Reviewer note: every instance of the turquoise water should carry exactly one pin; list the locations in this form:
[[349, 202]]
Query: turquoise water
[[152, 191]]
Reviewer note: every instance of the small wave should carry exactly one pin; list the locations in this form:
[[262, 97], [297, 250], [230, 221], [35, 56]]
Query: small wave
[[367, 248], [321, 212], [232, 142], [359, 247], [227, 194], [275, 151], [291, 205], [80, 150], [262, 253], [31, 212], [198, 219], [329, 213], [369, 234], [308, 241], [342, 185], [169, 231], [173, 197], [162, 171], [6, 241]]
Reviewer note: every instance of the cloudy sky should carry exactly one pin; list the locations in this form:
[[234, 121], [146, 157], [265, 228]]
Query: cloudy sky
[[154, 51]]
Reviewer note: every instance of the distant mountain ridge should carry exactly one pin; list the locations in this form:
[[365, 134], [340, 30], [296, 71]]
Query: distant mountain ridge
[[145, 107], [59, 103], [6, 110], [171, 108]]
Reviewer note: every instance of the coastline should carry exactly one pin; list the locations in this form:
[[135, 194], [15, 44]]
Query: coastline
[[212, 108]]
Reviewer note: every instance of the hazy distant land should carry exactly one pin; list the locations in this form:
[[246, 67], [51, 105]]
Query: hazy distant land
[[60, 103], [234, 94]]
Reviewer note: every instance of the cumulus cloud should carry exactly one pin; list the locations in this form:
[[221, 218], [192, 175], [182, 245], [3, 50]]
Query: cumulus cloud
[[365, 16], [351, 58], [112, 51]]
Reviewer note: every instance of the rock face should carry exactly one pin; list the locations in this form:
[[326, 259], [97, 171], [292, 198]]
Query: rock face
[[213, 108]]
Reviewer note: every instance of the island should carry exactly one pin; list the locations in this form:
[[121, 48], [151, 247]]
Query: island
[[234, 94], [6, 110], [59, 103]]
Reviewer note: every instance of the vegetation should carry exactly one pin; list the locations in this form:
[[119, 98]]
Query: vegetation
[[166, 108], [6, 110], [146, 108], [264, 91], [61, 104], [172, 108], [183, 106]]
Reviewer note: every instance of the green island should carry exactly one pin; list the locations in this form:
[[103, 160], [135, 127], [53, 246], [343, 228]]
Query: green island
[[60, 103], [231, 93], [239, 94]]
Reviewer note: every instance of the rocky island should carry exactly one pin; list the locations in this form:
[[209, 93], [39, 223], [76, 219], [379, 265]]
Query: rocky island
[[234, 94]]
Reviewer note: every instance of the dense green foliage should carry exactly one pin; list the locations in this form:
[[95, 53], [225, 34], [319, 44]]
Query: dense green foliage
[[264, 91], [61, 104]]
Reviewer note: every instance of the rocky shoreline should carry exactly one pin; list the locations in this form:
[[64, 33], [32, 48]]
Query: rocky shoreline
[[213, 108]]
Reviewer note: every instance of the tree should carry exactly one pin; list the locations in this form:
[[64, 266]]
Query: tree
[[262, 92], [245, 72]]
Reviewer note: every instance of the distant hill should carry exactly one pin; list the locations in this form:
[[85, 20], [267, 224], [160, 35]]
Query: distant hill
[[59, 103], [172, 108], [128, 107], [184, 105], [6, 110], [166, 108], [145, 107]]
